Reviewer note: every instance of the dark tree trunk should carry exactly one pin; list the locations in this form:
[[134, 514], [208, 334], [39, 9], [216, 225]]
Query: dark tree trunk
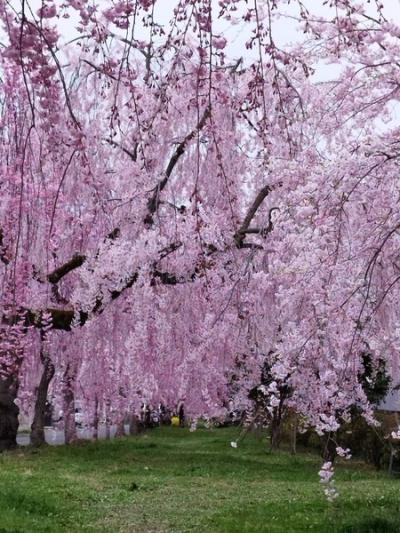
[[108, 421], [329, 448], [293, 440], [276, 424], [8, 413], [181, 414], [275, 434], [37, 428], [278, 415], [11, 354], [120, 428], [135, 425], [69, 405], [120, 432], [96, 418]]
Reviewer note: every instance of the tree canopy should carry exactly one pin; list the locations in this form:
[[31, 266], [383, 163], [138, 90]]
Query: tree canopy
[[170, 207]]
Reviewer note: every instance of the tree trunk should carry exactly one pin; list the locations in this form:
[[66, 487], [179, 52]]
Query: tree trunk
[[8, 413], [120, 428], [329, 448], [275, 434], [134, 425], [11, 357], [37, 427], [108, 422], [293, 442], [69, 406], [181, 414], [96, 418], [122, 416], [276, 423]]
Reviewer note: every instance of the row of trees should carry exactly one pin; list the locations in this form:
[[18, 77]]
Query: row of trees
[[168, 205]]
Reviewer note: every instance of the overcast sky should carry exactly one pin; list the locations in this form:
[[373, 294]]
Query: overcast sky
[[284, 29]]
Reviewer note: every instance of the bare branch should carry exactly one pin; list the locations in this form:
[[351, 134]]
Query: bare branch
[[98, 69], [131, 154]]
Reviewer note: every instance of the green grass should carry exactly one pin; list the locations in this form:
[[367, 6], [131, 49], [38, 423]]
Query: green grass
[[171, 480]]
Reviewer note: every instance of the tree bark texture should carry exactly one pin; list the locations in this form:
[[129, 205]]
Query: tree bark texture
[[37, 427], [69, 405]]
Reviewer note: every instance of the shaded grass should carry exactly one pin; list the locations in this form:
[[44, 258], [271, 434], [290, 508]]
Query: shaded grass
[[171, 480]]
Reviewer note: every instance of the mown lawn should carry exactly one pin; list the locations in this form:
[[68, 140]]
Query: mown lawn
[[171, 480]]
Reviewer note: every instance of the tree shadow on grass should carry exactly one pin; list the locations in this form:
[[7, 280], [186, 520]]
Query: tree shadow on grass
[[15, 499], [372, 525], [299, 516]]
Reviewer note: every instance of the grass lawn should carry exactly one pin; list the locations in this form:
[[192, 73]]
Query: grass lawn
[[171, 480]]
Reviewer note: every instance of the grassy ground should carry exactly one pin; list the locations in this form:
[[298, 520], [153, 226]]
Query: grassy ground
[[171, 480]]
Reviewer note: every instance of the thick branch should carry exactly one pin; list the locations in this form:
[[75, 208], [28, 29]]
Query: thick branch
[[165, 277], [241, 233], [154, 201], [63, 319], [63, 270], [77, 261]]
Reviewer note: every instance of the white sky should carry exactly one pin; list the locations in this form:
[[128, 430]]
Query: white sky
[[285, 30]]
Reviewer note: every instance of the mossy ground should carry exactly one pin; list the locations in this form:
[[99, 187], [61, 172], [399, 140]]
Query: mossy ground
[[171, 480]]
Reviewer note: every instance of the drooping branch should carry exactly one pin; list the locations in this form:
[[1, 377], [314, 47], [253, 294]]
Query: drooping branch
[[39, 29], [131, 42], [64, 319]]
